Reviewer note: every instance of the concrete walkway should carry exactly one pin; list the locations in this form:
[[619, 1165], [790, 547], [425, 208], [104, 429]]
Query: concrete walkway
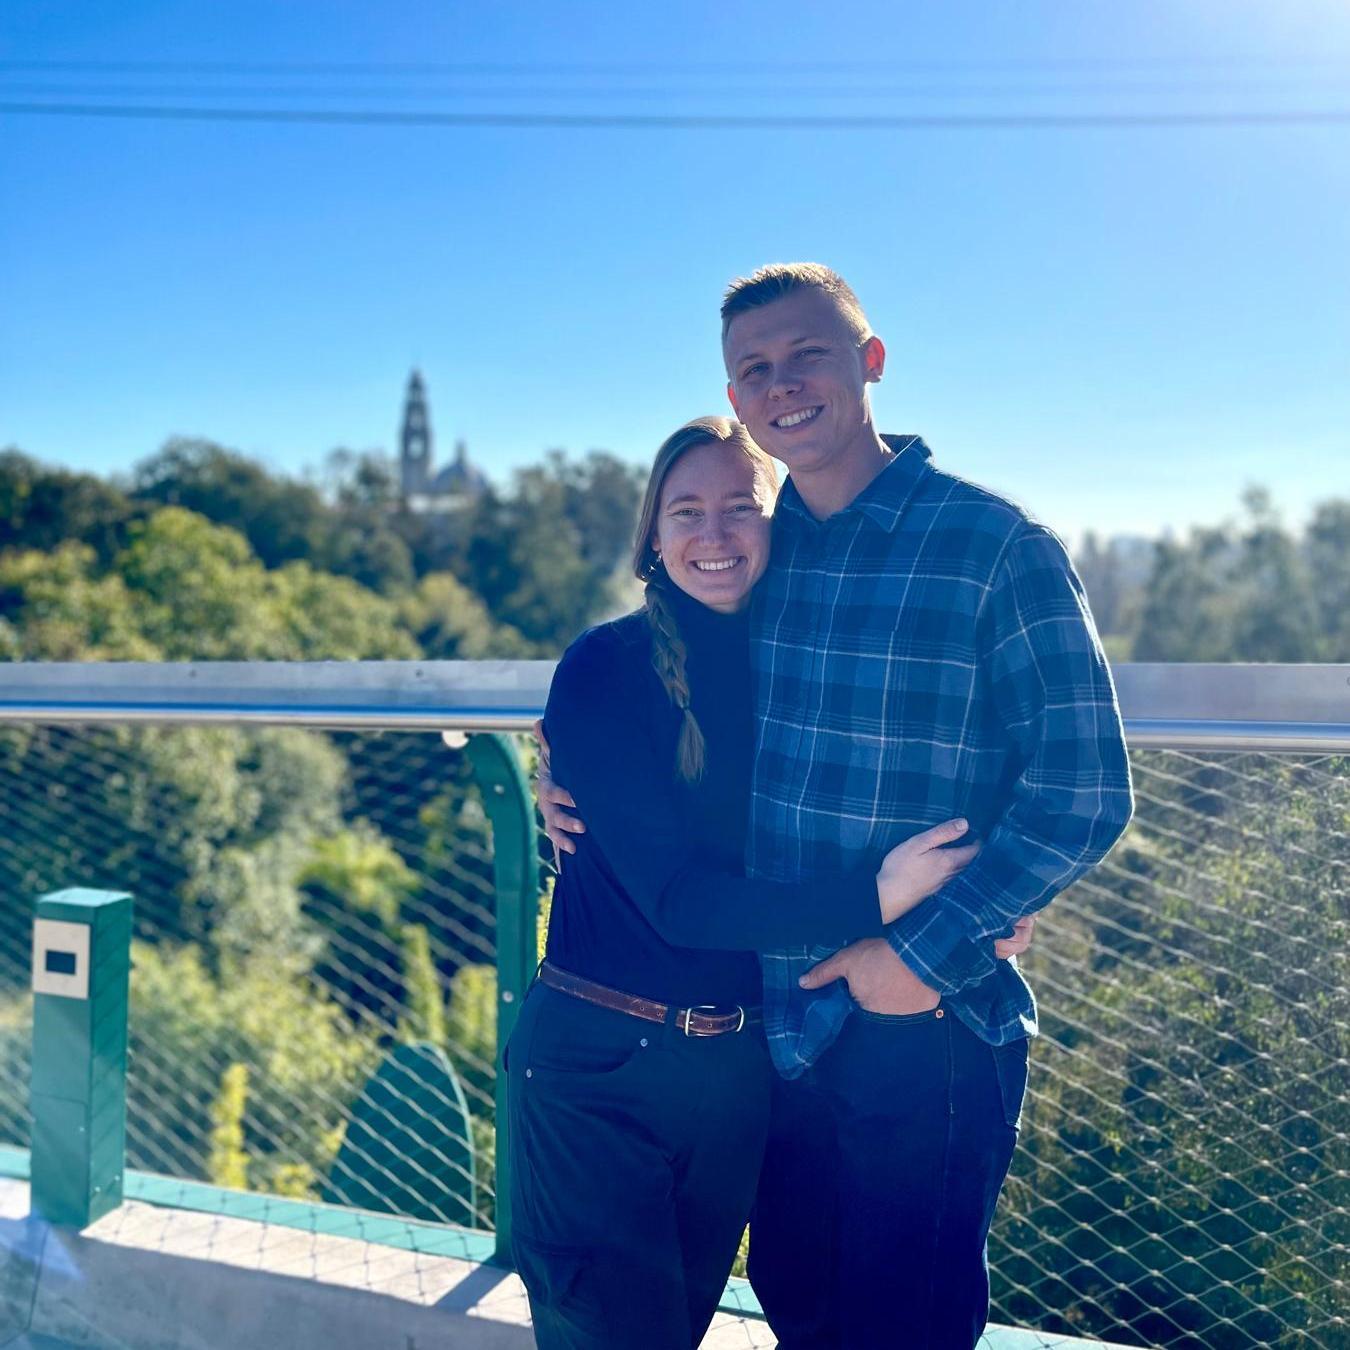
[[153, 1278]]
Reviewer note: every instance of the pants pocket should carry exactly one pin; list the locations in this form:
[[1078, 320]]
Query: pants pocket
[[564, 1038], [898, 1019]]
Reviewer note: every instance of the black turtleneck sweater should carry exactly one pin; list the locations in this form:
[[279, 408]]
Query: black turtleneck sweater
[[654, 901]]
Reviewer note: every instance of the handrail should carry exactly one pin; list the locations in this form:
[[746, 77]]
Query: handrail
[[1198, 706]]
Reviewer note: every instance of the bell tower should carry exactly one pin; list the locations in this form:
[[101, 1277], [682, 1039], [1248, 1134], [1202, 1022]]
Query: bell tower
[[415, 440]]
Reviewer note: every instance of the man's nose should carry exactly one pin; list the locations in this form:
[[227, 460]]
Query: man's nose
[[783, 384]]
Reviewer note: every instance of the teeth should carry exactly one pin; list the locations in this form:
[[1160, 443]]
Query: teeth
[[795, 419], [716, 566]]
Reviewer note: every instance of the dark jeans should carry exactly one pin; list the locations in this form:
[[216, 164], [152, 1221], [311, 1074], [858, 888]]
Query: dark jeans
[[880, 1178], [634, 1153]]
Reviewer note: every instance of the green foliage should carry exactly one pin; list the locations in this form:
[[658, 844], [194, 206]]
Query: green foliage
[[203, 595], [425, 1016], [56, 607], [360, 867], [228, 1163], [208, 825], [16, 1055], [307, 1061], [544, 560], [450, 623], [42, 509], [473, 1030], [1242, 591]]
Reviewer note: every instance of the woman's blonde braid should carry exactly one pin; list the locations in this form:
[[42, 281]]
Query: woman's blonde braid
[[669, 654]]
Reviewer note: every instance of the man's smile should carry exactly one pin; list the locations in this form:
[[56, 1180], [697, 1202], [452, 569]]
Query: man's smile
[[795, 419]]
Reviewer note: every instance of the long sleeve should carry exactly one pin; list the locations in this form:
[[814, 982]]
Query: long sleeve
[[1071, 798], [604, 751]]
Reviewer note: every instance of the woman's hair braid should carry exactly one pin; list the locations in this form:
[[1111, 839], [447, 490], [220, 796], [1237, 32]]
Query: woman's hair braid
[[668, 658]]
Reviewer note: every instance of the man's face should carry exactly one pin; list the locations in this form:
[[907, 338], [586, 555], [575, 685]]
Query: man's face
[[798, 378]]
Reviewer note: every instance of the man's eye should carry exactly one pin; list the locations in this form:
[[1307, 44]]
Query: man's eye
[[810, 351], [752, 371], [742, 508]]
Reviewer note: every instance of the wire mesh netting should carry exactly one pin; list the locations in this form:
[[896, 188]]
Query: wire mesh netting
[[1184, 1176], [312, 906], [313, 1008]]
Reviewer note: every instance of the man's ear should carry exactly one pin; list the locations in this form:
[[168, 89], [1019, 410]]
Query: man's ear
[[874, 359], [731, 398]]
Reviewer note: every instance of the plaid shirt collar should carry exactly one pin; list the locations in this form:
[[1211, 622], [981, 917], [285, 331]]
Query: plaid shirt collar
[[883, 500]]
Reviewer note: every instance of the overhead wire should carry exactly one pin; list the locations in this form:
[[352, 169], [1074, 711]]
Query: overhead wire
[[690, 121]]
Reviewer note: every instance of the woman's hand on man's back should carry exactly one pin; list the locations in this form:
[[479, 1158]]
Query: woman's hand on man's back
[[559, 823]]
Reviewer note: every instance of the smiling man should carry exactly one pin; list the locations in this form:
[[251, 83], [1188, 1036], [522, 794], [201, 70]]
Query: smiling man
[[922, 650]]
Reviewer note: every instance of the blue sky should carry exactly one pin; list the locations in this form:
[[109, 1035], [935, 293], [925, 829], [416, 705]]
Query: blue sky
[[1121, 327]]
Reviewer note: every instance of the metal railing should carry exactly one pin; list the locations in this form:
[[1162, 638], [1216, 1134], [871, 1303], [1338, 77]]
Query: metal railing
[[313, 867]]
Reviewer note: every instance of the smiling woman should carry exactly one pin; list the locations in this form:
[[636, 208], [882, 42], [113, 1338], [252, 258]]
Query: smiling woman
[[711, 524]]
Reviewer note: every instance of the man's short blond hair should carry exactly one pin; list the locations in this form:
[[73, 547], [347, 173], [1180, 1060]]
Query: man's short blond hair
[[772, 282]]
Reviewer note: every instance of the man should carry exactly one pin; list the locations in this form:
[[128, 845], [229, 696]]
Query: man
[[923, 651]]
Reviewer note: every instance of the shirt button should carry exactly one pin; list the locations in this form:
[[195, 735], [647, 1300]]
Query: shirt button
[[643, 1041], [529, 1073], [939, 1013]]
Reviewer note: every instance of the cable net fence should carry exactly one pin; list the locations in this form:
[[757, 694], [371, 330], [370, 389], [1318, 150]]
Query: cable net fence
[[310, 907], [1184, 1172], [313, 995]]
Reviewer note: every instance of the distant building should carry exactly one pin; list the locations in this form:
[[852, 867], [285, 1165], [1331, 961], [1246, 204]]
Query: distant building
[[422, 489]]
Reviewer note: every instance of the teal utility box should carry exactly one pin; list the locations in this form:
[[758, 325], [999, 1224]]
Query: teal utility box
[[81, 970]]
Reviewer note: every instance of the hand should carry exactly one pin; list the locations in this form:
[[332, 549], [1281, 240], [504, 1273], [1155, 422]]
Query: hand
[[912, 871], [877, 978], [1006, 948], [558, 824]]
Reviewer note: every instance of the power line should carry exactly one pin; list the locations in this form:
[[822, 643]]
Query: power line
[[685, 71], [687, 122], [676, 91]]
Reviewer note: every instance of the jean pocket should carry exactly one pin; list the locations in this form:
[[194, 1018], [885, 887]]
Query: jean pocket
[[569, 1039], [1010, 1065], [897, 1019]]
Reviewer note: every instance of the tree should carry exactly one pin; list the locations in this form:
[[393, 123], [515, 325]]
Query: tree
[[306, 1063], [282, 520], [544, 557], [56, 607], [1328, 556], [450, 623], [44, 509]]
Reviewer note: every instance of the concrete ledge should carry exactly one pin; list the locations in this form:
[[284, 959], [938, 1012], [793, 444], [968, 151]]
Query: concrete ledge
[[151, 1276]]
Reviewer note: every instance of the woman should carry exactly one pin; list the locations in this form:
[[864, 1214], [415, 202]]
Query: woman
[[639, 1078]]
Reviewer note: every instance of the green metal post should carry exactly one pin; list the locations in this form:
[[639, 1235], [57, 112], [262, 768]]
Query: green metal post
[[81, 968], [515, 860]]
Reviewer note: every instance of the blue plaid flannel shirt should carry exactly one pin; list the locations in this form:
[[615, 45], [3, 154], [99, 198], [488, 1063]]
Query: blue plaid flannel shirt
[[923, 654]]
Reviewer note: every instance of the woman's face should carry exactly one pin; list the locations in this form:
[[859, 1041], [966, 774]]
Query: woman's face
[[712, 528]]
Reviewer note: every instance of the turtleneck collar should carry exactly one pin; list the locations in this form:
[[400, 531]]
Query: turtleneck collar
[[700, 625]]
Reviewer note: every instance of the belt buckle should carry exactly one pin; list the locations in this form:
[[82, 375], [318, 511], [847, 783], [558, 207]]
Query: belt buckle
[[711, 1008]]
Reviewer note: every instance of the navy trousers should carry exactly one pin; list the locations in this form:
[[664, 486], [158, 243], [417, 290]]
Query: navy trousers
[[881, 1174], [634, 1151]]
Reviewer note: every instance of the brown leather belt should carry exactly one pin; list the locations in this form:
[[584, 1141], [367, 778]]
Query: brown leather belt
[[703, 1020]]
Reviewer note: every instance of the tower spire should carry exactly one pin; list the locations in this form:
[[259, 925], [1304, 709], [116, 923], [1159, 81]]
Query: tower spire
[[415, 439]]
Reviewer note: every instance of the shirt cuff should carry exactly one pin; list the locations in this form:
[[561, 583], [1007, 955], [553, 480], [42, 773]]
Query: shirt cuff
[[932, 941]]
